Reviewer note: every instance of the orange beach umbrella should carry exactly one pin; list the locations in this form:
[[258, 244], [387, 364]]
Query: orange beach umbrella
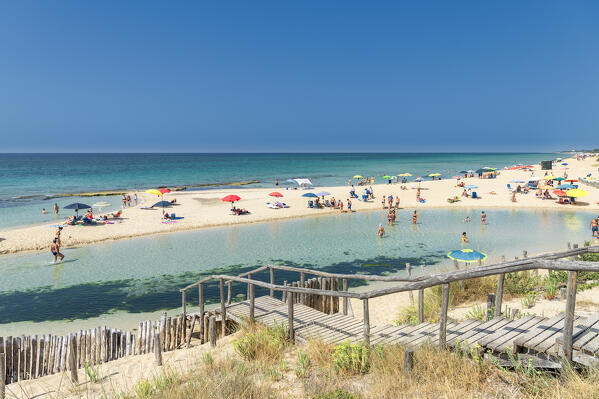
[[275, 194], [231, 198]]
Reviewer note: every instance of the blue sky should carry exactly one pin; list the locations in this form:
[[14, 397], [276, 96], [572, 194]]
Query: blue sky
[[298, 76]]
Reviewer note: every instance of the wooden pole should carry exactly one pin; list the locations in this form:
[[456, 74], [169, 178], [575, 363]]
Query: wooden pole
[[409, 270], [223, 309], [302, 283], [212, 329], [2, 376], [366, 322], [252, 302], [290, 317], [408, 361], [420, 306], [443, 321], [201, 300], [272, 280], [184, 303], [499, 294], [73, 359], [490, 303], [230, 289], [345, 299], [157, 350], [569, 319]]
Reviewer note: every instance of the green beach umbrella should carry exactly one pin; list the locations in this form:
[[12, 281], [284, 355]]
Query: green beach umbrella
[[386, 177]]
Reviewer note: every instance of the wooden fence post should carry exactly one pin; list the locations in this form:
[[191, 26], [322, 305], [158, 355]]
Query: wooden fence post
[[499, 294], [569, 319], [490, 303], [345, 299], [252, 302], [443, 320], [158, 350], [2, 376], [302, 284], [223, 309], [201, 300], [290, 317], [366, 322], [249, 277], [420, 306], [408, 361], [184, 303], [409, 270], [73, 359], [272, 280], [212, 329]]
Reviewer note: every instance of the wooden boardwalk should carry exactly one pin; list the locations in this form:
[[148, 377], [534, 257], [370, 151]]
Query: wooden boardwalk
[[530, 335]]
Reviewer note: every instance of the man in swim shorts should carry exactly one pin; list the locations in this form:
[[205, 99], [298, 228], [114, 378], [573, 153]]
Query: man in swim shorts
[[55, 249], [415, 217], [381, 231], [483, 217]]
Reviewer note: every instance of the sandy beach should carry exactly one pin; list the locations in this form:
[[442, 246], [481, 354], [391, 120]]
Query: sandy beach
[[203, 209]]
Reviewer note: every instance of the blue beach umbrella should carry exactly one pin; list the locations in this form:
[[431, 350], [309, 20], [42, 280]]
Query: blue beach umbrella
[[466, 255], [566, 186], [322, 193], [310, 195], [77, 206], [470, 186], [162, 204]]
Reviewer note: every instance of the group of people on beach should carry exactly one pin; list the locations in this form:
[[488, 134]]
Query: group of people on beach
[[127, 200]]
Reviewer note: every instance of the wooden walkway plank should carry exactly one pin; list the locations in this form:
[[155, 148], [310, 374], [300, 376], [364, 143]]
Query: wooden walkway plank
[[586, 337], [503, 343], [541, 332], [471, 337], [500, 332]]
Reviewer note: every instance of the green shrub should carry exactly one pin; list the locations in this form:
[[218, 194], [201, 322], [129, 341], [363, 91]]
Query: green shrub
[[263, 343], [93, 373], [551, 290], [351, 358], [303, 364], [521, 283], [143, 389], [478, 312], [529, 300]]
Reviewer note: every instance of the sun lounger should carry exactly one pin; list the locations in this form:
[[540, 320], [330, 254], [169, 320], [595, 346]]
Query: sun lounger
[[272, 205], [509, 187], [281, 204]]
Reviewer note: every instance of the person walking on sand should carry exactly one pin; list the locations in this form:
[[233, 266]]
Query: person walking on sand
[[483, 217], [349, 205], [415, 217], [381, 231], [397, 202], [55, 249], [57, 236], [55, 208], [135, 198], [595, 227]]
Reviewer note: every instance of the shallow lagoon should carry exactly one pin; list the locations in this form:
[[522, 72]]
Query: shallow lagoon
[[143, 275]]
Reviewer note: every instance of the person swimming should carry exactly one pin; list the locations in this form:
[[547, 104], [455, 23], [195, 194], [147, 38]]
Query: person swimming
[[381, 230], [464, 237], [467, 220]]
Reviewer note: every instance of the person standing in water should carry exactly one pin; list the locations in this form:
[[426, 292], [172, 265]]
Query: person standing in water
[[595, 227], [483, 217], [55, 249], [415, 217], [381, 230], [55, 208], [464, 237]]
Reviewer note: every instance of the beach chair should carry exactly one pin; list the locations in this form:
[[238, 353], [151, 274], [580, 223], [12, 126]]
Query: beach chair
[[509, 187], [271, 205], [327, 203], [474, 195], [310, 204]]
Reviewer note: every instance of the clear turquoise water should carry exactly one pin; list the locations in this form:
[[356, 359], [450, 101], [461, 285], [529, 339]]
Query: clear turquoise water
[[144, 274], [29, 181]]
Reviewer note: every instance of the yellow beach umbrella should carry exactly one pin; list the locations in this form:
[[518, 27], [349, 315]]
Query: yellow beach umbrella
[[357, 177], [405, 175], [434, 174], [153, 191], [547, 187], [549, 177], [576, 193]]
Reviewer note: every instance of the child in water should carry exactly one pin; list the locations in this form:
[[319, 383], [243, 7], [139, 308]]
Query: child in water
[[381, 230], [464, 238]]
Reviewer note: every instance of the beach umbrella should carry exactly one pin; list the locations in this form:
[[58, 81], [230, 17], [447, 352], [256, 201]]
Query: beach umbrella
[[470, 186], [162, 204], [77, 206], [576, 193], [434, 174], [386, 177], [275, 194], [469, 171], [457, 177], [231, 198], [572, 180], [559, 193], [405, 174], [164, 190], [546, 187], [559, 178], [418, 179], [517, 181], [153, 191], [550, 177], [357, 176], [466, 255], [323, 193], [564, 164], [567, 186], [310, 195]]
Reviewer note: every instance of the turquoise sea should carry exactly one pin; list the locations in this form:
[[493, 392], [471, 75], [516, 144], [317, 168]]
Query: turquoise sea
[[30, 182]]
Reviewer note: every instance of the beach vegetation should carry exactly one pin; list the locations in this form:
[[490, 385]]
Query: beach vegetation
[[261, 343], [351, 358]]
